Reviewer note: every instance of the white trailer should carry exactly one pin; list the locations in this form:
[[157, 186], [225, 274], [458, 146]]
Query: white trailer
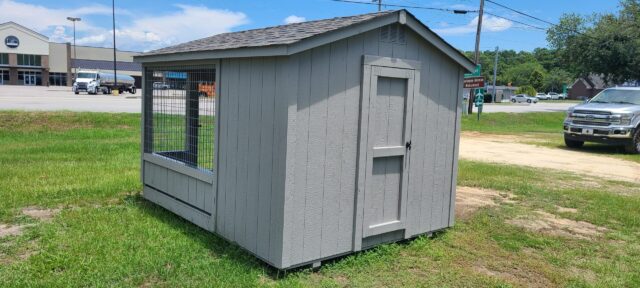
[[94, 82]]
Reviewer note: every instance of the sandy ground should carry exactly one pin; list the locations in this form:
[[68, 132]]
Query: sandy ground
[[506, 150]]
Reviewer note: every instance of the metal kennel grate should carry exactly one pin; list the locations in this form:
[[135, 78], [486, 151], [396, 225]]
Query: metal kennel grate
[[180, 113]]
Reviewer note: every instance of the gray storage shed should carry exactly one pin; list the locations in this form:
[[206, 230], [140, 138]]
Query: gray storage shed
[[331, 136]]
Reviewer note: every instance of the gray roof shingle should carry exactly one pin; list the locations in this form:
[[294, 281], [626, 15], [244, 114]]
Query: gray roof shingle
[[276, 35]]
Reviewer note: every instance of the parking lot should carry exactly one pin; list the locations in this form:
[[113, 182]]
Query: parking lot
[[62, 98]]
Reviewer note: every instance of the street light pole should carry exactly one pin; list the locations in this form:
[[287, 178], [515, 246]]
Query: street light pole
[[115, 72], [74, 19]]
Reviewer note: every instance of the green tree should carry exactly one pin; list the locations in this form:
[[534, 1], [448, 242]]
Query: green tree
[[526, 89], [555, 79], [606, 44]]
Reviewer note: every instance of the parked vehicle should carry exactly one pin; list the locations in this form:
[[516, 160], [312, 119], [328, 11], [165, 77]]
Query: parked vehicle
[[612, 117], [94, 82], [553, 96], [542, 96], [562, 96], [522, 98], [161, 85]]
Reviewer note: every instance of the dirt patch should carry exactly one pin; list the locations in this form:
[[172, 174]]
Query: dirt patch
[[506, 149], [555, 225], [515, 274], [470, 199], [40, 213], [12, 230], [561, 209]]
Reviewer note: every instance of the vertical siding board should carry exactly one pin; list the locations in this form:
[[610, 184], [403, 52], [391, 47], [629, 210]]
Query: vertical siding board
[[450, 116], [266, 156], [417, 154], [442, 91], [350, 142], [301, 156], [431, 92], [333, 148], [232, 149], [244, 86], [456, 149], [290, 153], [207, 190], [316, 151], [222, 150], [283, 89], [253, 180]]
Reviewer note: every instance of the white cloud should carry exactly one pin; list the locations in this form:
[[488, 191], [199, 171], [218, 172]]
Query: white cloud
[[132, 33], [294, 19], [41, 18], [489, 24]]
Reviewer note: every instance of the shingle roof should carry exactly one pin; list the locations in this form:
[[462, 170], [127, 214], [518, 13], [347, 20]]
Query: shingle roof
[[277, 35]]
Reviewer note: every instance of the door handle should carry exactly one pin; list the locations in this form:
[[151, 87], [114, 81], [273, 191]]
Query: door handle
[[408, 145]]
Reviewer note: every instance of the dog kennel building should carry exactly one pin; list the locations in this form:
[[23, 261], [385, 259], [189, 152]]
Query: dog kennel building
[[320, 138]]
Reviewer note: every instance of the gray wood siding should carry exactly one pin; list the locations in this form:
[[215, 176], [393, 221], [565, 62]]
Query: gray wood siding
[[320, 190], [191, 192], [287, 152], [252, 147]]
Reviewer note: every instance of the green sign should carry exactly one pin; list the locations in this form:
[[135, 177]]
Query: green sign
[[475, 73]]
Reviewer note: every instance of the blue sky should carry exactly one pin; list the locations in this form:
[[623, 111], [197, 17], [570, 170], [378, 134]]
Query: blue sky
[[144, 25]]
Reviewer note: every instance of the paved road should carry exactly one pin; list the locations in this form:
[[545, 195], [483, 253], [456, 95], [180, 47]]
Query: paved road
[[61, 98], [544, 106]]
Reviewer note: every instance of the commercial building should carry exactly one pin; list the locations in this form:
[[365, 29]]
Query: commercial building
[[28, 58]]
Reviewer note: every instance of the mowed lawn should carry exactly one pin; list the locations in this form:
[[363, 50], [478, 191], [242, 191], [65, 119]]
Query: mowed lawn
[[543, 129], [104, 234]]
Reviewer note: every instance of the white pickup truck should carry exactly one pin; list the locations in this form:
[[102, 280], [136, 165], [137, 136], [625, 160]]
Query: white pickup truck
[[611, 117]]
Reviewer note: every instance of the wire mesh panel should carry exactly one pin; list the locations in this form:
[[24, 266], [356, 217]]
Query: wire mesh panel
[[180, 113]]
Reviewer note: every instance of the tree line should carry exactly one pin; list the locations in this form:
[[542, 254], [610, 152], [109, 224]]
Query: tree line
[[606, 44], [539, 69]]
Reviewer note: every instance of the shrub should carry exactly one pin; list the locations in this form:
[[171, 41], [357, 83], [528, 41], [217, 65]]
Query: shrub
[[526, 89]]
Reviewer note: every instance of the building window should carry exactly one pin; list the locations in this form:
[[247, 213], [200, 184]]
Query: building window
[[4, 77], [58, 79], [29, 60], [4, 59], [180, 113]]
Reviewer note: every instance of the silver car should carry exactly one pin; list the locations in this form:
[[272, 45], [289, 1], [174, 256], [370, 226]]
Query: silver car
[[522, 98]]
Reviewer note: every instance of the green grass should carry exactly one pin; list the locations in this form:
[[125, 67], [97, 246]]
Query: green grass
[[544, 129], [108, 236]]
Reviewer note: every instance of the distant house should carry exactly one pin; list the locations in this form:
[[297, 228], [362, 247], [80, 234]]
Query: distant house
[[503, 93], [587, 87]]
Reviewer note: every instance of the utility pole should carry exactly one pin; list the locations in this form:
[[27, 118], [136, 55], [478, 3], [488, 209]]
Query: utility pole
[[495, 73], [477, 58], [115, 72], [74, 19], [379, 4]]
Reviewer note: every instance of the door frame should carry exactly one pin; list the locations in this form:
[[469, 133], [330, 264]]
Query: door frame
[[370, 63]]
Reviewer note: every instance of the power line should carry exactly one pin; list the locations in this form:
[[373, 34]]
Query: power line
[[456, 11], [522, 13], [516, 21]]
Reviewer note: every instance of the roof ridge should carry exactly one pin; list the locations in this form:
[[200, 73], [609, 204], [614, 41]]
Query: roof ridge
[[283, 27]]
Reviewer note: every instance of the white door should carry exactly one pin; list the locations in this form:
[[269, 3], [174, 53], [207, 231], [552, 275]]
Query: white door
[[386, 143]]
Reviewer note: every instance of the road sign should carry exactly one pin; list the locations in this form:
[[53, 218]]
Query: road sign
[[475, 72], [474, 82]]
